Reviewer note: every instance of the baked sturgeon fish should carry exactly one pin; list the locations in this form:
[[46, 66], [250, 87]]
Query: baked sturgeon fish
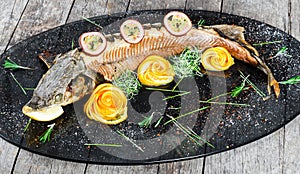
[[75, 74]]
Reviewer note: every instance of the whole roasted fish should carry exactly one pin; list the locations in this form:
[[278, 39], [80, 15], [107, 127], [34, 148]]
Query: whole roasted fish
[[75, 74]]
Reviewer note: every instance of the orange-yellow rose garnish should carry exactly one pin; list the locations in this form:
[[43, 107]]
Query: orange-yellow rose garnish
[[107, 104], [216, 59], [155, 71]]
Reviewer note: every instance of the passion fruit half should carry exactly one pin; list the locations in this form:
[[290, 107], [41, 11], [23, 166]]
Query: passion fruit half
[[92, 43], [132, 31], [177, 23]]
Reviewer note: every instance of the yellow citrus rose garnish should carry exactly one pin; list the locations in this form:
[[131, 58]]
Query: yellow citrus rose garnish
[[216, 59], [107, 104], [155, 71]]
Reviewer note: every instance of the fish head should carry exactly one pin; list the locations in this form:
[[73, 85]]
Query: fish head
[[65, 82]]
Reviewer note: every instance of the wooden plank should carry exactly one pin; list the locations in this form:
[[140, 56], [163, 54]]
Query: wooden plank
[[295, 18], [8, 153], [153, 4], [31, 163], [194, 166], [88, 9], [291, 150], [102, 169], [210, 5], [262, 156], [9, 16], [271, 12], [41, 15]]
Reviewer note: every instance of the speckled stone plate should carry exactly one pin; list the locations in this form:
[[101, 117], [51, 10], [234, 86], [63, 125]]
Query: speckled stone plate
[[223, 126]]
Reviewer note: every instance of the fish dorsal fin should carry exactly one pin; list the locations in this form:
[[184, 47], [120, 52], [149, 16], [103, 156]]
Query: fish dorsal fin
[[232, 32]]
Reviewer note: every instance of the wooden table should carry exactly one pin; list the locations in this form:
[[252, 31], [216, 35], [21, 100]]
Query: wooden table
[[276, 153]]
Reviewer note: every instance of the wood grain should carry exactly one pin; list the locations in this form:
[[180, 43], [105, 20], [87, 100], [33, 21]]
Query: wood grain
[[9, 17], [83, 8], [8, 154], [153, 4]]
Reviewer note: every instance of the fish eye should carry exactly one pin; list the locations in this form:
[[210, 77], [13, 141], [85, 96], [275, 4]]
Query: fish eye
[[58, 97]]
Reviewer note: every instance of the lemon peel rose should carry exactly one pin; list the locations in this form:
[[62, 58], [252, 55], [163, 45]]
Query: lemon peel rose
[[107, 104], [155, 71], [216, 59]]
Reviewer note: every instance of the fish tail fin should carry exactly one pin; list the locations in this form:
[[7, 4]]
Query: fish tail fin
[[272, 82]]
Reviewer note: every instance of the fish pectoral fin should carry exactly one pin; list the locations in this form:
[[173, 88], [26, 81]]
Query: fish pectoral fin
[[232, 32], [48, 60]]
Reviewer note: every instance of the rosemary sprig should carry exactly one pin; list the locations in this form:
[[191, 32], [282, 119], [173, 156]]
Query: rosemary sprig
[[9, 64], [147, 121], [163, 90], [292, 81], [47, 134], [92, 22], [190, 133], [178, 95], [267, 43], [258, 91], [158, 121], [27, 125], [104, 145], [200, 22], [128, 83], [128, 139], [238, 89], [29, 89], [186, 114], [225, 103], [19, 84], [72, 44], [281, 52]]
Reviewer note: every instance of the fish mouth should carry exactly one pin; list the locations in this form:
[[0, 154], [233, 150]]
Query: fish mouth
[[43, 114]]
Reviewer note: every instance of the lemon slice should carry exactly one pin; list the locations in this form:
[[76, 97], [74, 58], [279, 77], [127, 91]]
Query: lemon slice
[[44, 114]]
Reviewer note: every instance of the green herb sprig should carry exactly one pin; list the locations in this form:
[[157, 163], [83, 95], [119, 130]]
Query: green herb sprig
[[128, 139], [258, 91], [18, 83], [200, 22], [282, 53], [292, 81], [238, 89], [147, 121], [187, 63], [92, 22], [190, 133], [267, 43], [47, 134], [104, 145], [186, 114], [128, 83], [9, 64], [27, 125]]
